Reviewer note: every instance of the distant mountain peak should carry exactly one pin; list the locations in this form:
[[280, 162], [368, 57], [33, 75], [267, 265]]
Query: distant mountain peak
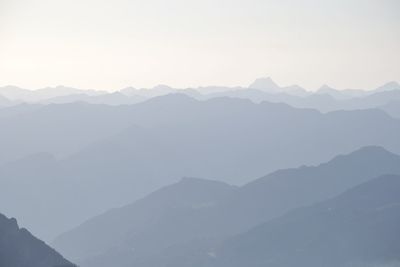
[[393, 85], [364, 155], [265, 84], [326, 88], [371, 150]]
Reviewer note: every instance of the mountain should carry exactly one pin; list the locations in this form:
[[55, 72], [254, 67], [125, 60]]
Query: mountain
[[13, 92], [295, 90], [118, 147], [265, 84], [263, 89], [392, 108], [324, 100], [374, 100], [326, 89], [189, 194], [210, 90], [158, 90], [320, 102], [17, 110], [269, 86], [358, 228], [4, 102], [342, 94], [106, 99], [57, 129], [198, 93], [18, 248], [283, 190], [388, 87], [29, 96], [348, 94], [236, 211]]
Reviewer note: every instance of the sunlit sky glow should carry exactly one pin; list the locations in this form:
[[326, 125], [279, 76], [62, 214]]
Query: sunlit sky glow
[[184, 43]]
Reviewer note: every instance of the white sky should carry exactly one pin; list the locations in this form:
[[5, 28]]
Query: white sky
[[118, 43]]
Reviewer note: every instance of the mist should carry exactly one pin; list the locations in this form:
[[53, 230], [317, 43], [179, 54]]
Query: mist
[[203, 134]]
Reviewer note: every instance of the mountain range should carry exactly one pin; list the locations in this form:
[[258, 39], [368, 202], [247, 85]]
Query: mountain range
[[170, 219], [108, 156], [357, 228], [273, 175], [325, 99]]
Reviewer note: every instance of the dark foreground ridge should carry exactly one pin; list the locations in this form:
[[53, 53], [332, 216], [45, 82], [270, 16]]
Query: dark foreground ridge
[[19, 248]]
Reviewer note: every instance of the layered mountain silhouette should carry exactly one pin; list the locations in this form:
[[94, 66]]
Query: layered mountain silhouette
[[19, 248], [113, 99], [41, 129], [324, 99], [31, 96], [265, 84], [204, 226], [358, 228], [392, 108], [56, 129], [108, 230], [390, 86], [4, 102], [342, 94], [77, 168], [125, 152]]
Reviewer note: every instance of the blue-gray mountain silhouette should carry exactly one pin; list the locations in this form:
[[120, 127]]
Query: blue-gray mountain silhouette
[[239, 210], [358, 228], [137, 149], [325, 100], [390, 86], [18, 248], [392, 108], [262, 89], [143, 215], [32, 96], [265, 84], [4, 102]]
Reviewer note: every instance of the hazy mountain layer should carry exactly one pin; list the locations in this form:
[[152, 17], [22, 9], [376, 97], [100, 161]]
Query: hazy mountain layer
[[204, 225], [154, 143], [108, 230], [358, 228], [263, 89]]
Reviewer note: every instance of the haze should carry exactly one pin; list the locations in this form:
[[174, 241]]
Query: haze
[[114, 44]]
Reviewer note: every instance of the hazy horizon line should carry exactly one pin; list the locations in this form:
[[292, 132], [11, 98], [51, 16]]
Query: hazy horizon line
[[198, 86]]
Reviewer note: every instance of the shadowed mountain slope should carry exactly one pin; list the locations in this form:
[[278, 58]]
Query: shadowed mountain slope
[[358, 228], [239, 210], [392, 108], [108, 230], [18, 248]]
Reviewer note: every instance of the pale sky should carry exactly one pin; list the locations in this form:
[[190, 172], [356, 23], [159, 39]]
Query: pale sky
[[113, 44]]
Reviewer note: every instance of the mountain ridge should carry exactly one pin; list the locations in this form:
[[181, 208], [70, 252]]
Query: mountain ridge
[[357, 227], [243, 208], [19, 248]]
